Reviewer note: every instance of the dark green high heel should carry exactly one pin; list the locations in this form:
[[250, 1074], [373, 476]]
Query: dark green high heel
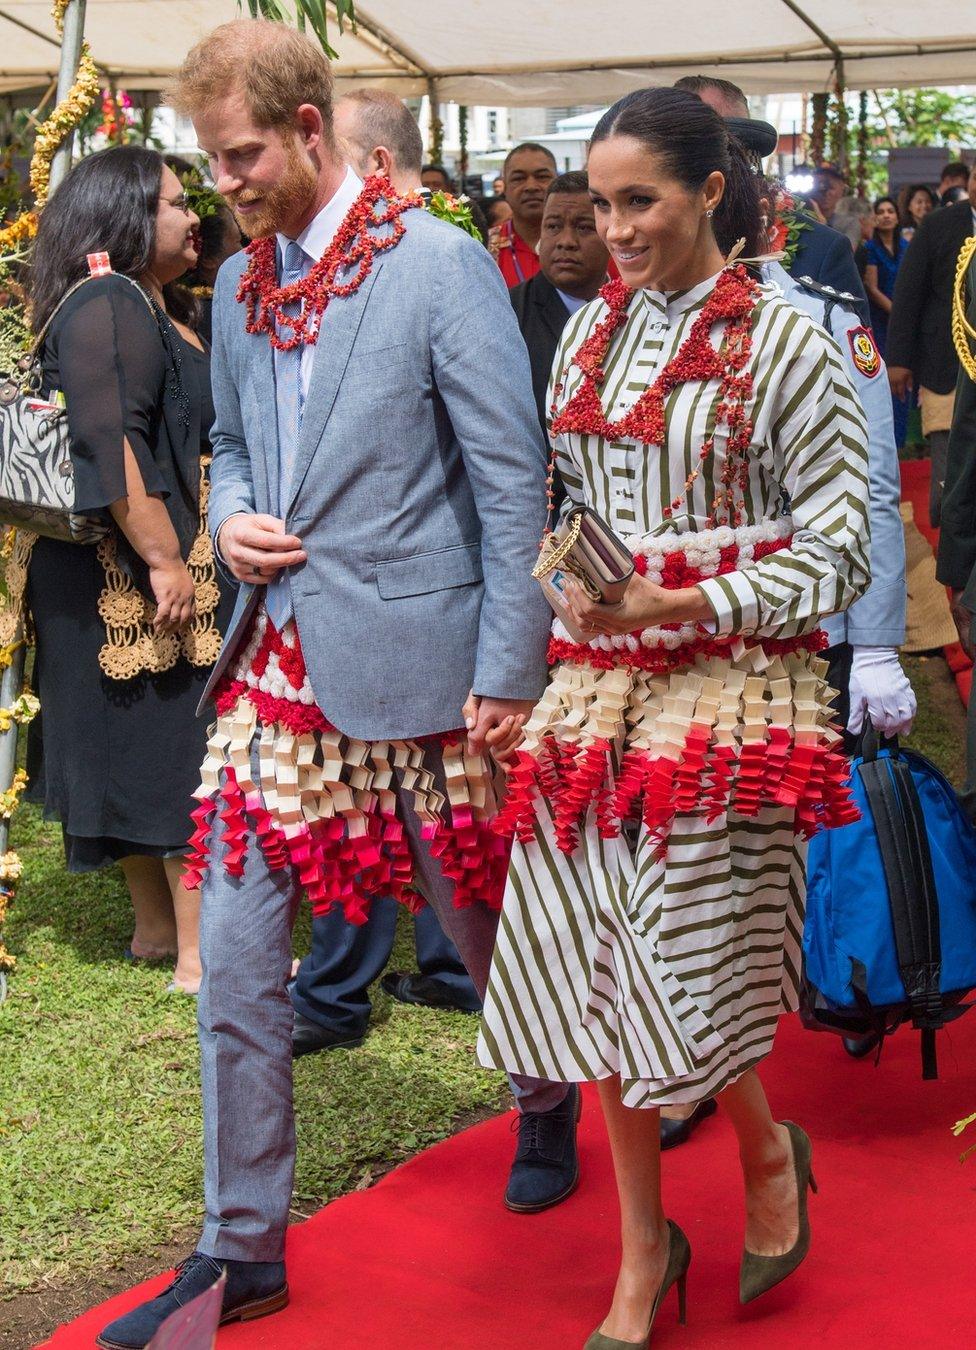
[[679, 1259], [758, 1274]]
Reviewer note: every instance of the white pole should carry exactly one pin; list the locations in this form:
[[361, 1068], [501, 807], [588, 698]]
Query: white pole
[[71, 38]]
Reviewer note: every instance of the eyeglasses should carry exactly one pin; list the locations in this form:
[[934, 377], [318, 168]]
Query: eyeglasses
[[180, 203]]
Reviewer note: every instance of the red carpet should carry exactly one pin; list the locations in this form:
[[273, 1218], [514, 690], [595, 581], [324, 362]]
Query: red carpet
[[429, 1260], [915, 476]]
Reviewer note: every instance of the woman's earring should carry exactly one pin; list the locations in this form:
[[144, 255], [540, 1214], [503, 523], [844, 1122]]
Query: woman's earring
[[710, 212]]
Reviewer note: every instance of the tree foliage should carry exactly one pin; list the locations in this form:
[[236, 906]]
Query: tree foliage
[[902, 117], [306, 14]]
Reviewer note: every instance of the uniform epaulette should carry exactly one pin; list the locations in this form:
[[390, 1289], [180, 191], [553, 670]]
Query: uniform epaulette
[[829, 293]]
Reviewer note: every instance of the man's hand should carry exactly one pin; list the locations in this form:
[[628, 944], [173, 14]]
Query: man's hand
[[901, 381], [963, 619], [495, 724], [255, 548]]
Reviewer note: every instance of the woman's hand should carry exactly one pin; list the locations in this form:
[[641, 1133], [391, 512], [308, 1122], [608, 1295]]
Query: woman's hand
[[644, 605], [176, 603], [504, 740], [495, 726]]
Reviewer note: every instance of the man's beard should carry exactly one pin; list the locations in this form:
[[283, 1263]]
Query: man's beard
[[285, 201]]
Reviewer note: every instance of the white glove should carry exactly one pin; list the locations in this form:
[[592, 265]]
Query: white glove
[[879, 687]]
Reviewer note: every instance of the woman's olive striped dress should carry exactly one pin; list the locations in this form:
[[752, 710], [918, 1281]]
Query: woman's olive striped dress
[[672, 972]]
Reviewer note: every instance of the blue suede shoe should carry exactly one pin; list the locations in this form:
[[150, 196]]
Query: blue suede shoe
[[546, 1166], [253, 1289]]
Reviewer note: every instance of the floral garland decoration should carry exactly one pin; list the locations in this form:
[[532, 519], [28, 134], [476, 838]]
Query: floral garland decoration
[[72, 109], [354, 246], [455, 210], [788, 224], [732, 302], [14, 341]]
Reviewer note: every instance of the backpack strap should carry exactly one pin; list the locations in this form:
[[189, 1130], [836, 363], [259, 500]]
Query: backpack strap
[[907, 862]]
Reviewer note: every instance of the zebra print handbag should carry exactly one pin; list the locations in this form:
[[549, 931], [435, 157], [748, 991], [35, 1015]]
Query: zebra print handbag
[[37, 490]]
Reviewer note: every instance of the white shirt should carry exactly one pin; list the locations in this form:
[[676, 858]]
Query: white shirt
[[570, 301], [315, 239]]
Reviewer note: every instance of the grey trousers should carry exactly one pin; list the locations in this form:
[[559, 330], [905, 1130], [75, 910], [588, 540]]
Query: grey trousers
[[245, 1022]]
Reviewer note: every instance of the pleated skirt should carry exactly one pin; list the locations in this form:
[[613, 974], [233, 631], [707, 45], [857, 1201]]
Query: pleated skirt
[[669, 971]]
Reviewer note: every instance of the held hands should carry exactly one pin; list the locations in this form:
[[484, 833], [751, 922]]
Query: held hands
[[172, 587], [495, 725], [255, 547], [644, 605]]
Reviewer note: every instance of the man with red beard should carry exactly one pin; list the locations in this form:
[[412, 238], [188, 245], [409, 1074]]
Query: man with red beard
[[382, 507]]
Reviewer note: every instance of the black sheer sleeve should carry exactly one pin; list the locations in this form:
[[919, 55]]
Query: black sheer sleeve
[[110, 365]]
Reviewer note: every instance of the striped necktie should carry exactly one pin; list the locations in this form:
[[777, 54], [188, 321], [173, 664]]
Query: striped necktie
[[289, 404]]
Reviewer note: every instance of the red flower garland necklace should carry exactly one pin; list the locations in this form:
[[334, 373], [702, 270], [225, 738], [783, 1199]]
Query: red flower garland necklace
[[354, 245], [733, 301]]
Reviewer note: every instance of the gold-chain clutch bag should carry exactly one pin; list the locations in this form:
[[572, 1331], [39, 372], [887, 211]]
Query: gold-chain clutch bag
[[585, 548]]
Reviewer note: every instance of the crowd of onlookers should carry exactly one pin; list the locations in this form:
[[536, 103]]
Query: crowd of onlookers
[[539, 226], [906, 248]]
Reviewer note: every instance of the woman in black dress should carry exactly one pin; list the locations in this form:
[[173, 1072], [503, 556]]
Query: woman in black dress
[[126, 631]]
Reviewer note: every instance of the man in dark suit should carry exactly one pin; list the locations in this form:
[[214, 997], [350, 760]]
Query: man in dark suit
[[573, 265], [919, 350], [957, 537]]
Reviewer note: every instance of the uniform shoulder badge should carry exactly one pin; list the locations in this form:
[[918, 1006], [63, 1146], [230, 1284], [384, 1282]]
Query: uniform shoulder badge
[[864, 351]]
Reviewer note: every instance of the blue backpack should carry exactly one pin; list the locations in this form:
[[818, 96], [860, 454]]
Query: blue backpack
[[890, 932]]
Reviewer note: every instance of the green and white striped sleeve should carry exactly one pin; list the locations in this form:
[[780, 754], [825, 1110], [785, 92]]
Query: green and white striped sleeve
[[818, 454]]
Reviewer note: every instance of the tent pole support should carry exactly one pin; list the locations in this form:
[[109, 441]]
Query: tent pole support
[[71, 39]]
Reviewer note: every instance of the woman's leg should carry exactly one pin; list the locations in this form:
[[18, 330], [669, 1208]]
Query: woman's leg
[[635, 1142], [766, 1155], [152, 902], [186, 908]]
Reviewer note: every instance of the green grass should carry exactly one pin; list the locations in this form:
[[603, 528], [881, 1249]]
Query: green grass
[[100, 1154], [100, 1157]]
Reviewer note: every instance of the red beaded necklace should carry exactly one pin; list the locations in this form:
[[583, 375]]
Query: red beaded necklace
[[354, 245], [732, 301]]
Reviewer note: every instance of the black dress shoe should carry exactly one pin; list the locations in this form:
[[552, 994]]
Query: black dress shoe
[[675, 1132], [546, 1166], [307, 1037], [859, 1047], [253, 1289], [425, 991]]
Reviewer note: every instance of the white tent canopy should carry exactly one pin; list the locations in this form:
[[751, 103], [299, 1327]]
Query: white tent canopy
[[544, 52]]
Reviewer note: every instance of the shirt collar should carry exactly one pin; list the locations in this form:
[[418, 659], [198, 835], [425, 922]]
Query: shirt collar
[[570, 301], [668, 305], [319, 234]]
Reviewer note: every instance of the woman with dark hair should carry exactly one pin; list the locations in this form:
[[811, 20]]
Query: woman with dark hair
[[914, 204], [664, 784], [883, 253], [128, 630]]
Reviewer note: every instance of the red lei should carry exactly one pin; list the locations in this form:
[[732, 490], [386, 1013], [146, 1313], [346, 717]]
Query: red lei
[[732, 302], [354, 246]]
